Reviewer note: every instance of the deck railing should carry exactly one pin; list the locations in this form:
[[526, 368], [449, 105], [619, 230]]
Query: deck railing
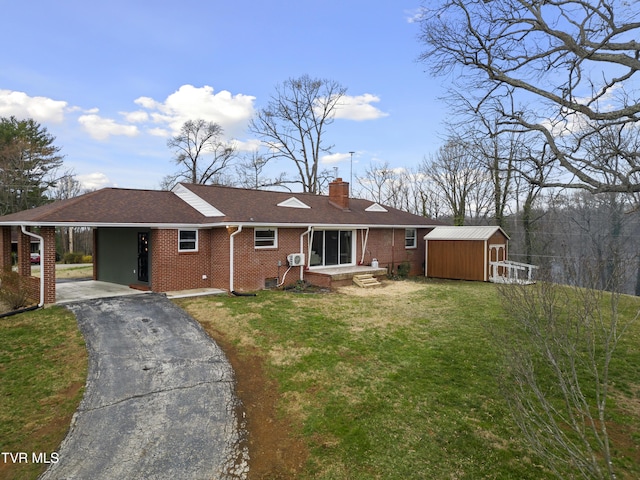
[[511, 272]]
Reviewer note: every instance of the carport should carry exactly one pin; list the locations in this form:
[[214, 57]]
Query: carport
[[123, 222], [122, 262]]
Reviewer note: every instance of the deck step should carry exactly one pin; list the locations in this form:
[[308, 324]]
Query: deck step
[[366, 280]]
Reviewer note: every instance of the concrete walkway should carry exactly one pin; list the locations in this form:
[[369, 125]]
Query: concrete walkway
[[159, 401], [68, 291], [77, 290]]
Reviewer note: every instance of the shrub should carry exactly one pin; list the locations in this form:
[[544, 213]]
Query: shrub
[[13, 290], [403, 269], [72, 257], [87, 259]]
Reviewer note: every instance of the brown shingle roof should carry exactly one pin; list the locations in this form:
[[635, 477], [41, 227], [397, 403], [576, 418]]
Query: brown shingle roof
[[118, 206], [260, 206], [112, 206]]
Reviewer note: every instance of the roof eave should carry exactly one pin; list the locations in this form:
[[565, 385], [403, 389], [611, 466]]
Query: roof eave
[[225, 223]]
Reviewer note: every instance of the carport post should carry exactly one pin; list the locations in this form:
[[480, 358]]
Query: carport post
[[41, 250], [231, 257], [5, 248]]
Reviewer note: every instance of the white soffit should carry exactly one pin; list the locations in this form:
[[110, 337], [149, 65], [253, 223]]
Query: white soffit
[[375, 207], [196, 202], [293, 202]]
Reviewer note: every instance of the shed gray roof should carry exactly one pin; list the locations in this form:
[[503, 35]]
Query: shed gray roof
[[463, 233]]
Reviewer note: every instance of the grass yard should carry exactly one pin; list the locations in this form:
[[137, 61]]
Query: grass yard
[[68, 271], [398, 382], [43, 366], [394, 383]]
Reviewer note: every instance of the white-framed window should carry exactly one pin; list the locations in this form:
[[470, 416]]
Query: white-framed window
[[187, 240], [265, 237], [410, 238]]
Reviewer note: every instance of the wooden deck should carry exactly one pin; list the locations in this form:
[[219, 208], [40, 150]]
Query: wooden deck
[[332, 277]]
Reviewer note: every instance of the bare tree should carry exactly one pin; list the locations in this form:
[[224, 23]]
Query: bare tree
[[293, 125], [560, 71], [201, 152], [375, 182], [250, 173], [558, 352], [459, 176], [405, 189]]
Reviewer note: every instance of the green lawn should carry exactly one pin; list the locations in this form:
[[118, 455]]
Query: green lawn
[[397, 383], [43, 365]]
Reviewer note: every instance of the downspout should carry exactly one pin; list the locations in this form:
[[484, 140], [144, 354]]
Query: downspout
[[231, 289], [365, 239], [308, 259], [31, 234], [393, 250]]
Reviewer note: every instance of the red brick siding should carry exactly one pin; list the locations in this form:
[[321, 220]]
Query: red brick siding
[[173, 270], [5, 248], [32, 284], [252, 266], [388, 247], [24, 254], [48, 264], [220, 258], [319, 280]]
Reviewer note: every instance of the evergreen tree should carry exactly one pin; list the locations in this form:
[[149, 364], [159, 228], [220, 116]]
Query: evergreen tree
[[28, 162]]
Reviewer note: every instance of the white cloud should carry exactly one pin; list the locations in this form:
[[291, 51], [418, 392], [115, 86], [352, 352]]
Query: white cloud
[[94, 181], [159, 132], [21, 105], [102, 128], [251, 145], [414, 16], [335, 158], [359, 108], [232, 112], [138, 116], [146, 102]]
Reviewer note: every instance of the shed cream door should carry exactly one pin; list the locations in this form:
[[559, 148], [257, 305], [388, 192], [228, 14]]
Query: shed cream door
[[497, 255]]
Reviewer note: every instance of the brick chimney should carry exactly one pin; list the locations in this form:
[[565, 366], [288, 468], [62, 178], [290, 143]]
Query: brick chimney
[[339, 194]]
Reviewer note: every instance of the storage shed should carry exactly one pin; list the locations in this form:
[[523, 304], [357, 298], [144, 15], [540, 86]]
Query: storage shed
[[465, 253]]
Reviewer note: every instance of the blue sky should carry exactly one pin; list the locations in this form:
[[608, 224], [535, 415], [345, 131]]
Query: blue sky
[[112, 80]]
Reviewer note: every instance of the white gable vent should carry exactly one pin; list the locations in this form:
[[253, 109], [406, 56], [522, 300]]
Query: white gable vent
[[293, 202], [375, 207], [196, 202]]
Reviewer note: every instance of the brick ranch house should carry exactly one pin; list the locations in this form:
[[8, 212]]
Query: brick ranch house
[[202, 236]]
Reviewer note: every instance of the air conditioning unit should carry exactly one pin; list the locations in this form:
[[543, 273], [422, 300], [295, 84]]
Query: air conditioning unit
[[296, 259]]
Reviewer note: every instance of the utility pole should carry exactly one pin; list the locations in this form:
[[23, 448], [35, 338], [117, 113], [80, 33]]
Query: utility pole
[[351, 174]]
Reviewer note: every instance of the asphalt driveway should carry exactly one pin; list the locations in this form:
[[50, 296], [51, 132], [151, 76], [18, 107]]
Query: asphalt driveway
[[159, 401]]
